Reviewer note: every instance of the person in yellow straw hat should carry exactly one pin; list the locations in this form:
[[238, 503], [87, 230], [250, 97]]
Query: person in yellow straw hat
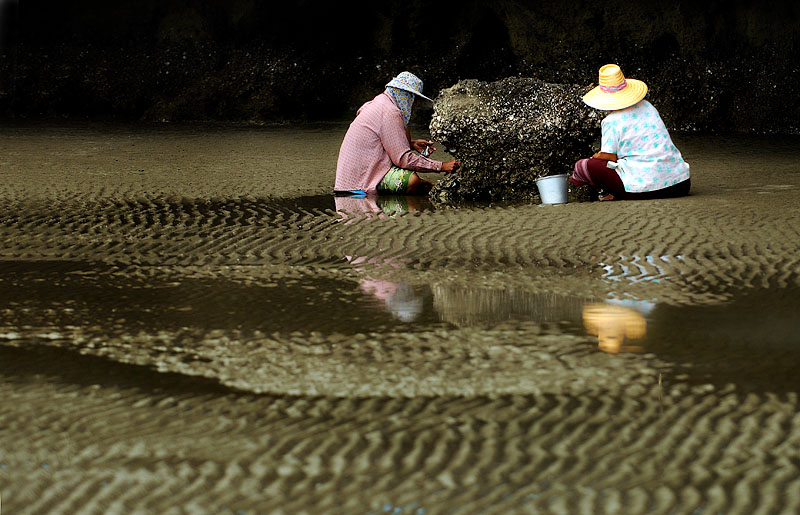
[[637, 159]]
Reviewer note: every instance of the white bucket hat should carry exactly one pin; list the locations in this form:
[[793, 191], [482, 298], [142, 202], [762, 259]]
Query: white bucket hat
[[615, 91], [407, 81]]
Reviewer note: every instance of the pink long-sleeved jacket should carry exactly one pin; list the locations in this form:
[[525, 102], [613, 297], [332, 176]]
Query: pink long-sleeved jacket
[[375, 141]]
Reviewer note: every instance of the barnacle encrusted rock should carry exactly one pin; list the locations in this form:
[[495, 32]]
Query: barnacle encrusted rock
[[508, 133]]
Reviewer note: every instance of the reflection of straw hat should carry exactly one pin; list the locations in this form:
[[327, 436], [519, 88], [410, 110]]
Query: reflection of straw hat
[[407, 81], [612, 324], [615, 91]]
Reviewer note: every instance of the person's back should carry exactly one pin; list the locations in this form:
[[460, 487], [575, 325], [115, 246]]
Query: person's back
[[647, 160], [362, 160]]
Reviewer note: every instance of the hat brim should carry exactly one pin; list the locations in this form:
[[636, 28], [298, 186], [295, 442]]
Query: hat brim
[[632, 94], [398, 85], [415, 93], [423, 96]]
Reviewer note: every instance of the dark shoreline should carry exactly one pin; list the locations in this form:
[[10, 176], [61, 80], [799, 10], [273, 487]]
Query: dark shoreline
[[724, 66]]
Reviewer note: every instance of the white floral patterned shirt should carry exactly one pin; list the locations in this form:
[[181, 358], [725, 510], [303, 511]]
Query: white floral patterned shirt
[[647, 160]]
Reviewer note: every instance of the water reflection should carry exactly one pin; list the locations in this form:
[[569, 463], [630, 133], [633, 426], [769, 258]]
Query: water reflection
[[469, 306], [612, 324], [384, 205], [402, 300]]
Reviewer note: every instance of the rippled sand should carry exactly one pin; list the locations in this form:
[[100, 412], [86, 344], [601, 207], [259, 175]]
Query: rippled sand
[[189, 325]]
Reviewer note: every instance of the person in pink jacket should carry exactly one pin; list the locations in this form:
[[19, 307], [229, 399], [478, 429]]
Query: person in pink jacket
[[378, 155]]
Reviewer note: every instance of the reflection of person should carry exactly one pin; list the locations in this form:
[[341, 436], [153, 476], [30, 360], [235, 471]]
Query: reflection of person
[[612, 324], [389, 205], [350, 205], [377, 153], [637, 159], [399, 298]]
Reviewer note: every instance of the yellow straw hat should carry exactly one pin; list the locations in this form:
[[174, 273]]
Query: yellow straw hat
[[615, 91]]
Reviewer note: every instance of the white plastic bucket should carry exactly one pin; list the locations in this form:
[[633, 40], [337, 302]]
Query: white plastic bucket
[[553, 189]]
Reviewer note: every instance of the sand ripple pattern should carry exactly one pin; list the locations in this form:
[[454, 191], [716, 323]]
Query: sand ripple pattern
[[658, 449], [162, 353], [642, 255]]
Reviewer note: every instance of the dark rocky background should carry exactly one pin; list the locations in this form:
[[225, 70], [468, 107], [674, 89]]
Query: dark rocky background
[[719, 65]]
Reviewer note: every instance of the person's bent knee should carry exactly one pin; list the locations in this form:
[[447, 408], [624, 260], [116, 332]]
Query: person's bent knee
[[413, 183], [417, 185], [580, 174]]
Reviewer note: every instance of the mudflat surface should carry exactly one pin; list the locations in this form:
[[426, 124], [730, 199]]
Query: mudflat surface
[[190, 322]]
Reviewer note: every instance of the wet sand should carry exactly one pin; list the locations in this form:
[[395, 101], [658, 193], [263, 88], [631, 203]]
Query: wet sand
[[189, 325]]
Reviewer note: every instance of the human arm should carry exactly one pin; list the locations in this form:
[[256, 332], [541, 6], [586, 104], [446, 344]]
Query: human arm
[[606, 156], [451, 166], [609, 141], [394, 138], [419, 144]]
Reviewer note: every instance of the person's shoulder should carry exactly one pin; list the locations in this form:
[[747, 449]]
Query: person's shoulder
[[389, 109], [611, 118], [650, 112], [381, 103], [645, 105], [383, 100], [372, 107], [387, 102]]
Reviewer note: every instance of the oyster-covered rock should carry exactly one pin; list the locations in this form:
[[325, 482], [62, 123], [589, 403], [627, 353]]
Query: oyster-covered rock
[[510, 132]]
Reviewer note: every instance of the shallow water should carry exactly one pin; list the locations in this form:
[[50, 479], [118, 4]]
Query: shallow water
[[751, 340], [191, 321]]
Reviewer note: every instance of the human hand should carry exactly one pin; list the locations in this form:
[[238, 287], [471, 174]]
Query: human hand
[[451, 166], [421, 144]]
